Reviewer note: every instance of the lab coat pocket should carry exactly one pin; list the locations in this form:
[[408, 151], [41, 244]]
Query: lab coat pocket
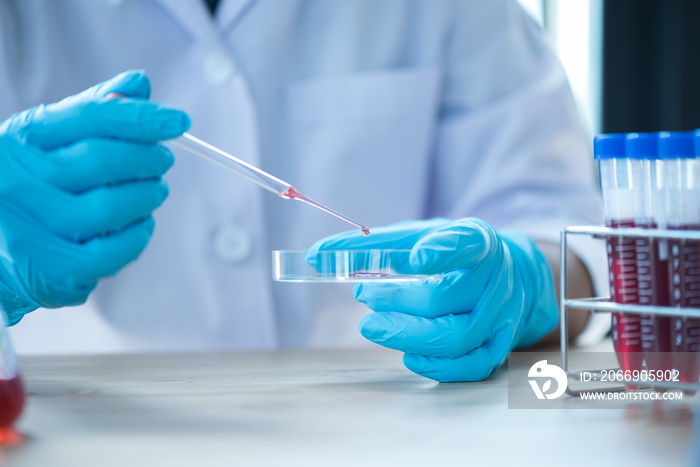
[[363, 142]]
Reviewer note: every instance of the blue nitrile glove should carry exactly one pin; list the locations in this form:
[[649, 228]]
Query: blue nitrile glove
[[78, 182], [495, 293]]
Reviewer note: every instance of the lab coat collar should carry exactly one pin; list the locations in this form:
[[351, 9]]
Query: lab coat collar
[[231, 11], [195, 18]]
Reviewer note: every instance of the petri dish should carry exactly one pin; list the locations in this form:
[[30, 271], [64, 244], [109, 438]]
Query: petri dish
[[344, 266]]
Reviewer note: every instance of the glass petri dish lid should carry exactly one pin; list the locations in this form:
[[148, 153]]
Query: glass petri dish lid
[[344, 266]]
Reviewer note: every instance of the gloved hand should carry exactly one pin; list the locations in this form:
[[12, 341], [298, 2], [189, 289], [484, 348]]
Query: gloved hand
[[495, 293], [78, 182]]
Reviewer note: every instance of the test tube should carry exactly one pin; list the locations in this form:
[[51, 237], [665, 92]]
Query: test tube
[[678, 153], [620, 177], [12, 395], [652, 254]]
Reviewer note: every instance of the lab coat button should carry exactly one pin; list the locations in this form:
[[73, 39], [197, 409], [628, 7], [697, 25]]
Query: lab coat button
[[232, 244], [218, 68]]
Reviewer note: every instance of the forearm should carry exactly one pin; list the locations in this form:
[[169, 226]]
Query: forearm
[[579, 284]]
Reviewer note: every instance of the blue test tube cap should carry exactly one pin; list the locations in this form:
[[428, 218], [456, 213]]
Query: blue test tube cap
[[642, 145], [609, 146], [697, 143], [676, 144]]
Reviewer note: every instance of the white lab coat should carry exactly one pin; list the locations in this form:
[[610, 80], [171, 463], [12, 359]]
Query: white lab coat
[[385, 110]]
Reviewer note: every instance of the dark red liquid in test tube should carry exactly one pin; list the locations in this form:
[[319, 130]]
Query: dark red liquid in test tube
[[685, 292], [626, 327], [652, 280], [11, 403]]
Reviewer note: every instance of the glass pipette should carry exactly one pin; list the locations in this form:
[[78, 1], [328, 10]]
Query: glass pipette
[[281, 188]]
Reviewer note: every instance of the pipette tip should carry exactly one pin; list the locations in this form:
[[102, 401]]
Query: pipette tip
[[292, 193]]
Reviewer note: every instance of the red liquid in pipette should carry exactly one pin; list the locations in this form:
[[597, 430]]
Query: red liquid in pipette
[[626, 329], [685, 292], [652, 280]]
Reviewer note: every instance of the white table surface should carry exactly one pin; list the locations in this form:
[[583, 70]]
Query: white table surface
[[308, 408]]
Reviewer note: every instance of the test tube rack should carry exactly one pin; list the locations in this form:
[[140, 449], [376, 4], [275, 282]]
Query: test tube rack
[[604, 305]]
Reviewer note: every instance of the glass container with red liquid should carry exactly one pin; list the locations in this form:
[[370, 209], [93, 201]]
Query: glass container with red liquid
[[682, 175], [620, 182], [12, 396], [652, 254]]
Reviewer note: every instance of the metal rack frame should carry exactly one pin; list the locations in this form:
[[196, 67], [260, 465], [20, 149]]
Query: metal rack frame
[[604, 305]]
